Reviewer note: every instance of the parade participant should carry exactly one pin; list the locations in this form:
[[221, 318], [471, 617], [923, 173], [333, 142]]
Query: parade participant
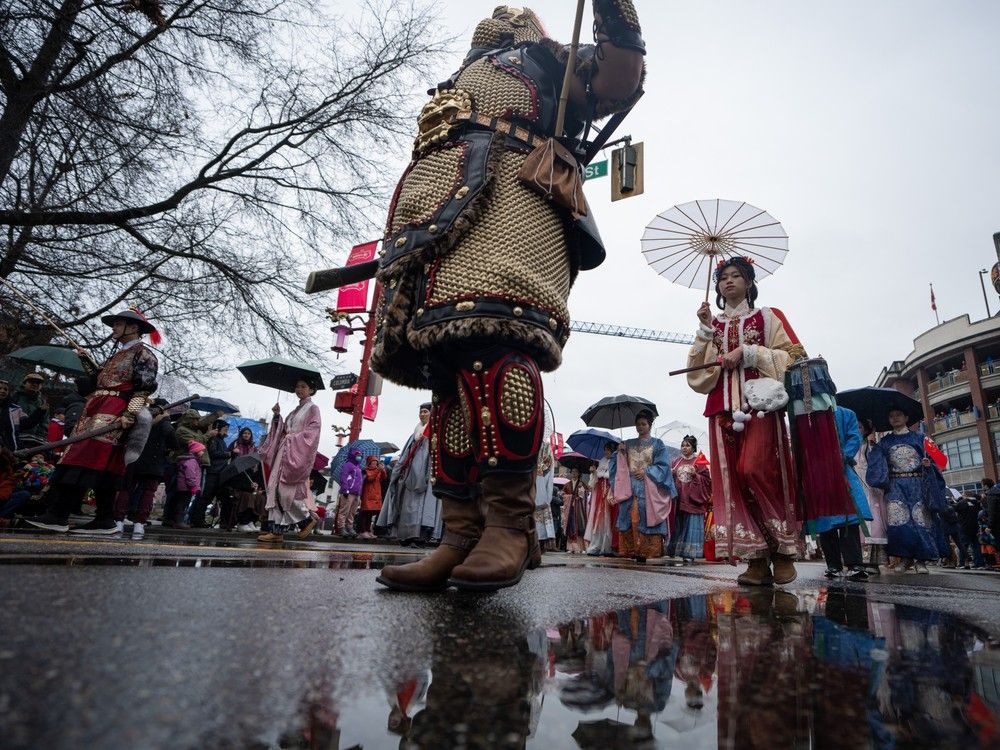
[[290, 452], [839, 537], [8, 430], [914, 494], [873, 545], [371, 495], [600, 518], [411, 513], [351, 483], [694, 495], [477, 271], [544, 483], [642, 486], [33, 424], [753, 487], [575, 512], [116, 395]]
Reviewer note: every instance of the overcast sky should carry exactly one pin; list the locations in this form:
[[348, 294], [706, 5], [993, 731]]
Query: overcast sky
[[869, 129]]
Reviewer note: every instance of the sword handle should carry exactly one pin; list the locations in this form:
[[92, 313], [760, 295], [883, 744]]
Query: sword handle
[[333, 278]]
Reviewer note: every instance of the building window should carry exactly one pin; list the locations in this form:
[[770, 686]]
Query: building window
[[963, 453]]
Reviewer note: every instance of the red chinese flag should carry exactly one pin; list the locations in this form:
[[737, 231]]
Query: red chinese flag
[[935, 454], [354, 297], [701, 460]]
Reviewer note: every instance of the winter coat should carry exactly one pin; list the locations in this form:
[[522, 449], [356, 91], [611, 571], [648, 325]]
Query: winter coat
[[371, 495], [152, 462], [192, 426], [8, 432], [34, 424], [188, 473], [968, 515], [218, 454], [73, 407], [351, 478]]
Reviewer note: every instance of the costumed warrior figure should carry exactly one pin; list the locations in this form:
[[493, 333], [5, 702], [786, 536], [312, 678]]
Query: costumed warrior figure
[[477, 271], [411, 513], [290, 452], [642, 487], [753, 477], [914, 494], [694, 494], [115, 395], [598, 536]]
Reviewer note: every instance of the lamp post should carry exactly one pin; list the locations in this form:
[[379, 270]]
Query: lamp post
[[985, 298]]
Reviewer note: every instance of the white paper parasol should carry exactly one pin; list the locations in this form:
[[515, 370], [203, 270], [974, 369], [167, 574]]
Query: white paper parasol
[[684, 243]]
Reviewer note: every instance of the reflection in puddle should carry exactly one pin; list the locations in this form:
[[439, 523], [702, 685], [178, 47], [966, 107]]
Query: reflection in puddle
[[762, 669]]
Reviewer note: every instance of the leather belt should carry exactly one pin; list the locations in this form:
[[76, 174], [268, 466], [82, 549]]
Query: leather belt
[[895, 474], [503, 126], [103, 392]]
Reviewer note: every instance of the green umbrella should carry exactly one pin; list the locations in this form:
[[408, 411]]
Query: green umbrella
[[59, 358], [280, 373]]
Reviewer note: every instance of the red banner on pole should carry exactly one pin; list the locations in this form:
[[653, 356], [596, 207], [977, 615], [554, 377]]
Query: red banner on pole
[[556, 442], [370, 410], [354, 297]]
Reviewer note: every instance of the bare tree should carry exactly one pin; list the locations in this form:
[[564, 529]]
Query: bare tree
[[197, 158]]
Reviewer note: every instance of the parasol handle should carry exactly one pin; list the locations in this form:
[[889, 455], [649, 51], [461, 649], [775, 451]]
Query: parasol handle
[[570, 69], [708, 282], [695, 368]]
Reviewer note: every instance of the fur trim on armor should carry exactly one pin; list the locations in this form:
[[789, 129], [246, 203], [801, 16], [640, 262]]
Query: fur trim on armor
[[546, 350]]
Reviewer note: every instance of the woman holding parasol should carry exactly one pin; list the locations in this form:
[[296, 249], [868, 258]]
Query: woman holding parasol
[[753, 476]]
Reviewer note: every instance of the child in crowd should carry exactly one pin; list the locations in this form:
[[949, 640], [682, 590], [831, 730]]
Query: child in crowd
[[188, 480]]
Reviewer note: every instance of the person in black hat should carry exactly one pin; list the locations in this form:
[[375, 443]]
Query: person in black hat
[[118, 391]]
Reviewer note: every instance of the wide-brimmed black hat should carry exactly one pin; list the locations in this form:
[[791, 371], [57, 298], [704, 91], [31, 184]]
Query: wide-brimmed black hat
[[129, 316]]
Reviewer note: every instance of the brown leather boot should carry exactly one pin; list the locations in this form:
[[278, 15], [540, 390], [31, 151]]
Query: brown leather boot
[[509, 544], [462, 528], [784, 568], [758, 573]]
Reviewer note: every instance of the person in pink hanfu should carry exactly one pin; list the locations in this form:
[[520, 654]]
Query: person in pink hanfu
[[290, 452]]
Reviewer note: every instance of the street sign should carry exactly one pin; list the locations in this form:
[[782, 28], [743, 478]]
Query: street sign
[[346, 380], [595, 169], [626, 171]]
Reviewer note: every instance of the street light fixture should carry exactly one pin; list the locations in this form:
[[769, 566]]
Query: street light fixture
[[985, 298]]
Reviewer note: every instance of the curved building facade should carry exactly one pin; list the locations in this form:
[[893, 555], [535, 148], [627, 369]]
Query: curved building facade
[[954, 371]]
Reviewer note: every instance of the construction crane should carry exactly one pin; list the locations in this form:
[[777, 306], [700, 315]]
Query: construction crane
[[628, 332]]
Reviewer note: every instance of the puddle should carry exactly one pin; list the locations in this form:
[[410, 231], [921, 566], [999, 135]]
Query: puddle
[[332, 561], [821, 669]]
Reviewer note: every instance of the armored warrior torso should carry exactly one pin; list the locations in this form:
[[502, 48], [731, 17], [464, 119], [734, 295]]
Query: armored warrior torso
[[470, 253]]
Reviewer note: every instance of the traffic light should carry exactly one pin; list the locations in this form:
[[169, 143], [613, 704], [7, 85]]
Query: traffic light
[[626, 171]]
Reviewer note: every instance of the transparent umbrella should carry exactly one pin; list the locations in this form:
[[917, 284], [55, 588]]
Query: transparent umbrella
[[685, 242]]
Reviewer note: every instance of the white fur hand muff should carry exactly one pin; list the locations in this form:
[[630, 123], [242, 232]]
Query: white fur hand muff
[[765, 395]]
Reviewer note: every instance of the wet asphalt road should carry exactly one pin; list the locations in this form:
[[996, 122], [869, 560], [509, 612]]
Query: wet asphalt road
[[179, 642]]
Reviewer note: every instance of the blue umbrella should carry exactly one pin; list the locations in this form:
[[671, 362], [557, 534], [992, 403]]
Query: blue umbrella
[[367, 448], [236, 424], [207, 403], [591, 441]]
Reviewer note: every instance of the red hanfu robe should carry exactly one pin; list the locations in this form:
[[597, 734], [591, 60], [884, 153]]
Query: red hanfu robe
[[753, 475]]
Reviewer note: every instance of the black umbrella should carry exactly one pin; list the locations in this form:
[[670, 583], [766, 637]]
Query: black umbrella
[[576, 461], [207, 403], [617, 412], [876, 403], [280, 373], [240, 464], [385, 448]]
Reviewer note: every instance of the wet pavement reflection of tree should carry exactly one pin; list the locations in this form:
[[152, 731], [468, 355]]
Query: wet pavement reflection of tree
[[737, 669]]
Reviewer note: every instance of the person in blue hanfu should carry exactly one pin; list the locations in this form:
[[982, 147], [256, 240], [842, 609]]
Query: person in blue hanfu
[[914, 492], [839, 536], [645, 502]]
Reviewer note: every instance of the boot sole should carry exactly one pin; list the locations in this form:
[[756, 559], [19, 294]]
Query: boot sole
[[412, 588], [764, 582]]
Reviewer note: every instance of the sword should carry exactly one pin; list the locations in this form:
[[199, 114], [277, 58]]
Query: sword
[[332, 278], [79, 437]]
